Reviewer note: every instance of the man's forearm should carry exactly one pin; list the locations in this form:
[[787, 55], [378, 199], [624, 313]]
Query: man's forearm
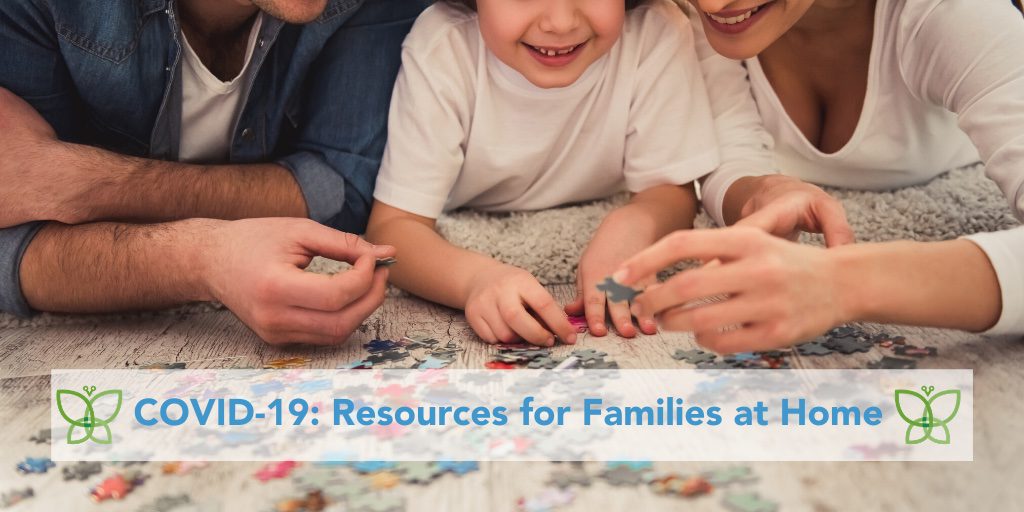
[[106, 267], [943, 284], [143, 190]]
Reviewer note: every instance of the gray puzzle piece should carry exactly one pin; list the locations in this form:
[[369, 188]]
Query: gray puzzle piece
[[617, 292]]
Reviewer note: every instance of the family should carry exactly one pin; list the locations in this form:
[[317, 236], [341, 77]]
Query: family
[[158, 152]]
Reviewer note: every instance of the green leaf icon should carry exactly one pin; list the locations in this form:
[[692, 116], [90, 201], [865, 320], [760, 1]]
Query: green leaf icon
[[925, 425], [89, 425]]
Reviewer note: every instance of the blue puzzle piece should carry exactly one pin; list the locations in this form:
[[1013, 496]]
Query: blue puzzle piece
[[458, 467], [35, 465]]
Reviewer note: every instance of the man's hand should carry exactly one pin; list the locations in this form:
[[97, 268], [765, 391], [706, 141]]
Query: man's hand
[[254, 267], [785, 206], [34, 186]]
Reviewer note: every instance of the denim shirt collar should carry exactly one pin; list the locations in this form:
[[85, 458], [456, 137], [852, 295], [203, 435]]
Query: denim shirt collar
[[166, 136]]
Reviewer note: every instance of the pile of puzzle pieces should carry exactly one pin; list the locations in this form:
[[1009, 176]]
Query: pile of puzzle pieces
[[512, 356], [427, 353], [844, 340]]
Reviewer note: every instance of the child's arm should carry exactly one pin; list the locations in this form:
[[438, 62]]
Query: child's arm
[[649, 216], [494, 295]]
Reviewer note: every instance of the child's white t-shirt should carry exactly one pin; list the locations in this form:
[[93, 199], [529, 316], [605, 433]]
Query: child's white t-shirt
[[466, 130]]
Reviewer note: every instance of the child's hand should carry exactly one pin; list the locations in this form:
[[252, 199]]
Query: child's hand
[[613, 244], [497, 309]]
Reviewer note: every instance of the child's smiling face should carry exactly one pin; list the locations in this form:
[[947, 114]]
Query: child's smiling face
[[550, 42]]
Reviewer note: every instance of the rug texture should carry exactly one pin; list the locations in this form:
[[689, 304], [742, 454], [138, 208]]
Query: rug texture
[[548, 243]]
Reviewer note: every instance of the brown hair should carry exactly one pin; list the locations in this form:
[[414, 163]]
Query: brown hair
[[1018, 5], [471, 4]]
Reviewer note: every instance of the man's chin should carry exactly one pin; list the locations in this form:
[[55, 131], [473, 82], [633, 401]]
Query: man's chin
[[293, 11]]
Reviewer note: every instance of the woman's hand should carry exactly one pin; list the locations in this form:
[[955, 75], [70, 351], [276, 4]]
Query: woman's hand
[[774, 292], [500, 304], [785, 206]]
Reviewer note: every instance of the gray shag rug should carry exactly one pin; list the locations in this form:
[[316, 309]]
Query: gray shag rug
[[548, 243]]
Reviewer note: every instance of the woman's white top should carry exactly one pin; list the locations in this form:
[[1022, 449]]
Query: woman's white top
[[945, 89]]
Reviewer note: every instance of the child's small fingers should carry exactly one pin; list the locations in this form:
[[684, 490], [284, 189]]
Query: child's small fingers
[[575, 308], [481, 328], [623, 321], [545, 306], [501, 330], [594, 304], [515, 316]]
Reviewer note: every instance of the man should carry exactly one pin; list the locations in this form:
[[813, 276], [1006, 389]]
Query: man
[[156, 152]]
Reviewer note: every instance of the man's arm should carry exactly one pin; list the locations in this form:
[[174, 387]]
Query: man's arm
[[253, 266]]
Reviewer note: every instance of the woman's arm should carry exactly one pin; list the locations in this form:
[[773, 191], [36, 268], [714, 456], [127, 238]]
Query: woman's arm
[[779, 292]]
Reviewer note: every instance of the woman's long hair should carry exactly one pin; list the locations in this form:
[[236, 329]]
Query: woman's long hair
[[1018, 5]]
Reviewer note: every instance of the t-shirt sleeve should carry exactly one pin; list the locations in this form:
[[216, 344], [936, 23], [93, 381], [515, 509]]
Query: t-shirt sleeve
[[743, 142], [669, 139], [1005, 250], [427, 122], [968, 55]]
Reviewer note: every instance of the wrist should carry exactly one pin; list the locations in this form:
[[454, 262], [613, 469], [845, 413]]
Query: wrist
[[739, 199], [105, 184], [195, 262]]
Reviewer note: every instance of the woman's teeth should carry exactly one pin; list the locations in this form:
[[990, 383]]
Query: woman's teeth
[[735, 19], [551, 53]]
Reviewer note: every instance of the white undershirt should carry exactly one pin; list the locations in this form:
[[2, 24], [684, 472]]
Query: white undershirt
[[209, 106], [945, 89], [467, 130]]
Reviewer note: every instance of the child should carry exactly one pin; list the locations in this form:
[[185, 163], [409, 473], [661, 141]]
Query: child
[[528, 104]]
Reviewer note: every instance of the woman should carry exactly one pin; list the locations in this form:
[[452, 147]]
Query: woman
[[861, 94]]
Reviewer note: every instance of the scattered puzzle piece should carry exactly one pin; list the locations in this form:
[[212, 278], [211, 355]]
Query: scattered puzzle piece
[[81, 470], [286, 363], [694, 356], [275, 470], [617, 292], [813, 348], [748, 502], [35, 465], [893, 363]]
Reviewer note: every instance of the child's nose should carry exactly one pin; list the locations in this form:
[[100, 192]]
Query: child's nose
[[561, 16]]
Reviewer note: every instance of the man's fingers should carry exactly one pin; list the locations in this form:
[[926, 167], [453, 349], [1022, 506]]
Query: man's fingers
[[338, 245], [299, 325], [834, 225], [296, 287], [703, 244], [545, 306], [691, 285]]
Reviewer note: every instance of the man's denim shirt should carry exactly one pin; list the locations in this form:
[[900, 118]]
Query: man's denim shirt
[[108, 73]]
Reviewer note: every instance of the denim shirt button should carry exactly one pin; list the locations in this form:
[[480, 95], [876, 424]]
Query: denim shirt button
[[259, 42], [247, 135]]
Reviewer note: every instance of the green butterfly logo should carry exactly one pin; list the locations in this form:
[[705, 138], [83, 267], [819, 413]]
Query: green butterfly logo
[[936, 411], [86, 425]]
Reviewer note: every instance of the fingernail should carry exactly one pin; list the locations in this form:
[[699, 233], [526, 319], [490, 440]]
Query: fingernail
[[572, 339], [382, 250], [621, 275], [550, 341]]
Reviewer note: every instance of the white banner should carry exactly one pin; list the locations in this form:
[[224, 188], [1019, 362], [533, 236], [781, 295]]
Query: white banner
[[513, 415]]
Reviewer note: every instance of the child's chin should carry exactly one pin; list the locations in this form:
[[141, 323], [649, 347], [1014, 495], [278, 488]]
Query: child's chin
[[552, 79]]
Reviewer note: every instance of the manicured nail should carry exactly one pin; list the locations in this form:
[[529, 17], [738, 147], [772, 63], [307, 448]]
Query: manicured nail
[[621, 276]]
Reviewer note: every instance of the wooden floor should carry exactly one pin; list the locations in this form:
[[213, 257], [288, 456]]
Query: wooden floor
[[217, 339]]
